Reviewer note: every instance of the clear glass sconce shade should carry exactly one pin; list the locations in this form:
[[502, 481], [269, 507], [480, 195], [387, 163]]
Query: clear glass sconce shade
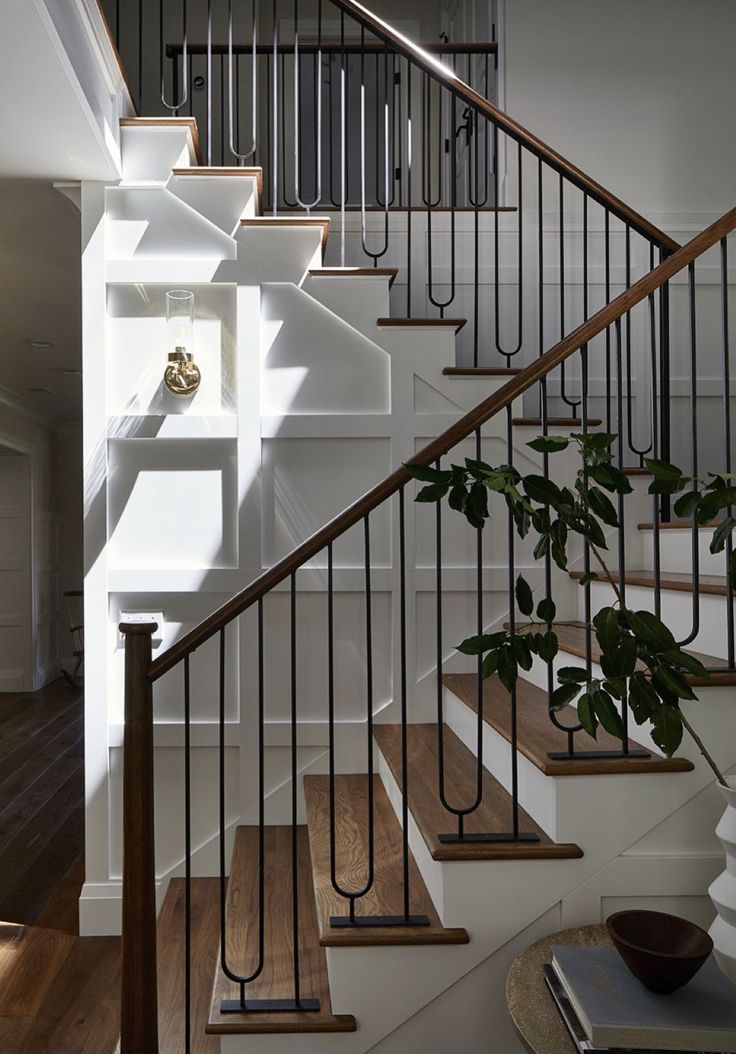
[[179, 321], [181, 376]]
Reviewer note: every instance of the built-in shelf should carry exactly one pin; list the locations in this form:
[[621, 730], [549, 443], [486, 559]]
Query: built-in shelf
[[172, 426]]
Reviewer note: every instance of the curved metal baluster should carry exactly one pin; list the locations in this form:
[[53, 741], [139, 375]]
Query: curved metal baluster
[[694, 447], [289, 204], [508, 355], [375, 256], [242, 157], [240, 1005], [572, 403], [175, 107], [630, 395], [275, 101], [297, 113], [389, 131], [442, 305]]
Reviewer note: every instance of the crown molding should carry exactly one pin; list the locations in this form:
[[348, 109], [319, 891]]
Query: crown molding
[[23, 406]]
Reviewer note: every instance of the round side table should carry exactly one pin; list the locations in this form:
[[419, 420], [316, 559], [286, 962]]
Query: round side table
[[535, 1017]]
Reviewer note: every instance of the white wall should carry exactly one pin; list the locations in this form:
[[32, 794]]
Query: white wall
[[639, 95]]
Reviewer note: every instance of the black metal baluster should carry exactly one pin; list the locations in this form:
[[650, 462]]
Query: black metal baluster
[[187, 862], [409, 169], [242, 157], [175, 107], [572, 403], [726, 340], [209, 83], [275, 112], [695, 548], [640, 453], [508, 355], [243, 1005]]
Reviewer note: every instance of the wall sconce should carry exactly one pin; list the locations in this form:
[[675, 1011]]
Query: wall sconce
[[181, 376]]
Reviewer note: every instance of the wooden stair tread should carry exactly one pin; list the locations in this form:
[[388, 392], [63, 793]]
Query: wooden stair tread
[[537, 736], [492, 815], [480, 371], [171, 950], [556, 422], [167, 122], [351, 854], [453, 323], [680, 525], [276, 981], [713, 585], [572, 640], [356, 272], [636, 470]]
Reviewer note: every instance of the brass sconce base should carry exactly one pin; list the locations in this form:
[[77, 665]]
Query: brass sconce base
[[182, 377]]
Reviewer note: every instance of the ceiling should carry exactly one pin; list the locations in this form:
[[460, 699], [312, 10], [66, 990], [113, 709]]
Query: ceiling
[[40, 296]]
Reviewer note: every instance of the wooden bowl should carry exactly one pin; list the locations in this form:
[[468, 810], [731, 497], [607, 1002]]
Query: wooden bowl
[[662, 951]]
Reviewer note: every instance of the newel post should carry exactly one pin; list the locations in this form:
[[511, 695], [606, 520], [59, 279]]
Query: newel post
[[138, 1000]]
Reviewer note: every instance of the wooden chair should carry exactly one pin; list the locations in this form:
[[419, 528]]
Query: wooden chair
[[74, 604]]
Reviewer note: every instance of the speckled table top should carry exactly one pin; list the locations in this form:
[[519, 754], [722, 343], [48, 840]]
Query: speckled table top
[[534, 1014]]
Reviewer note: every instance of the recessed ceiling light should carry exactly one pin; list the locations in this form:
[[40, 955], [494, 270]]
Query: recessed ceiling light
[[66, 371], [38, 343], [37, 389]]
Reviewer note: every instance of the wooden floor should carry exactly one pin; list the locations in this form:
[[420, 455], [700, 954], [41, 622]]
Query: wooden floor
[[57, 991]]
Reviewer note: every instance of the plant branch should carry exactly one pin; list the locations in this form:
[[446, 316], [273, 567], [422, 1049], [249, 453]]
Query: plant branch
[[701, 747]]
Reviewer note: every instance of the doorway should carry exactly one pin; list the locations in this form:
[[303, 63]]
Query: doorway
[[16, 573]]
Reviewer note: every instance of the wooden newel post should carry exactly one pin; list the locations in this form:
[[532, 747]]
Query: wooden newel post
[[138, 1002]]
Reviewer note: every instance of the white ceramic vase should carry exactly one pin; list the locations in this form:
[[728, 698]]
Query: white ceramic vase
[[723, 890]]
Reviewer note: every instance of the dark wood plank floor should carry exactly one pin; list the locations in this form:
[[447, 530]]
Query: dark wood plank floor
[[58, 991]]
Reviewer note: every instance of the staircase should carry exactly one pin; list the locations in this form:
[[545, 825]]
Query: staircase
[[400, 827]]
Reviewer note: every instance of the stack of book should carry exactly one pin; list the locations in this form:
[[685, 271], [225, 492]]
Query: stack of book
[[605, 1008]]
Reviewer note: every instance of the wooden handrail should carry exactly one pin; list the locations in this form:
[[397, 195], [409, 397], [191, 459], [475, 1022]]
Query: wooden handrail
[[445, 76], [463, 428]]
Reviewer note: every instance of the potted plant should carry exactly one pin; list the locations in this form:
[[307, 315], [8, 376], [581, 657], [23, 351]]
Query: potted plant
[[641, 662]]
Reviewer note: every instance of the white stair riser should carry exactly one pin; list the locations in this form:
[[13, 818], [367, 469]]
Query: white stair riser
[[359, 301], [147, 223], [677, 607], [279, 254], [150, 153], [537, 792], [675, 552], [224, 200]]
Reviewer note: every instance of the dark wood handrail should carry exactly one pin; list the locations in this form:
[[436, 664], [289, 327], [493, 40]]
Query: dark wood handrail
[[516, 131], [463, 428]]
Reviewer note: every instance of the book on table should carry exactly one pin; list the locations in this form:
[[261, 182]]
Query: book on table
[[617, 1012]]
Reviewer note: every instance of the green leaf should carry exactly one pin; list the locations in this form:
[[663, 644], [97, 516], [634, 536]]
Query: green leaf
[[522, 651], [663, 469], [548, 646], [434, 492], [542, 547], [524, 597], [426, 474], [667, 729], [594, 533], [607, 629], [572, 675], [476, 507], [687, 504], [602, 506], [546, 610], [549, 444], [722, 534], [722, 499], [673, 681], [686, 662], [616, 688], [559, 555], [643, 698], [606, 712], [626, 655], [490, 664], [507, 670], [589, 576], [541, 490], [563, 696], [483, 642], [651, 632], [611, 478], [458, 497], [586, 715]]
